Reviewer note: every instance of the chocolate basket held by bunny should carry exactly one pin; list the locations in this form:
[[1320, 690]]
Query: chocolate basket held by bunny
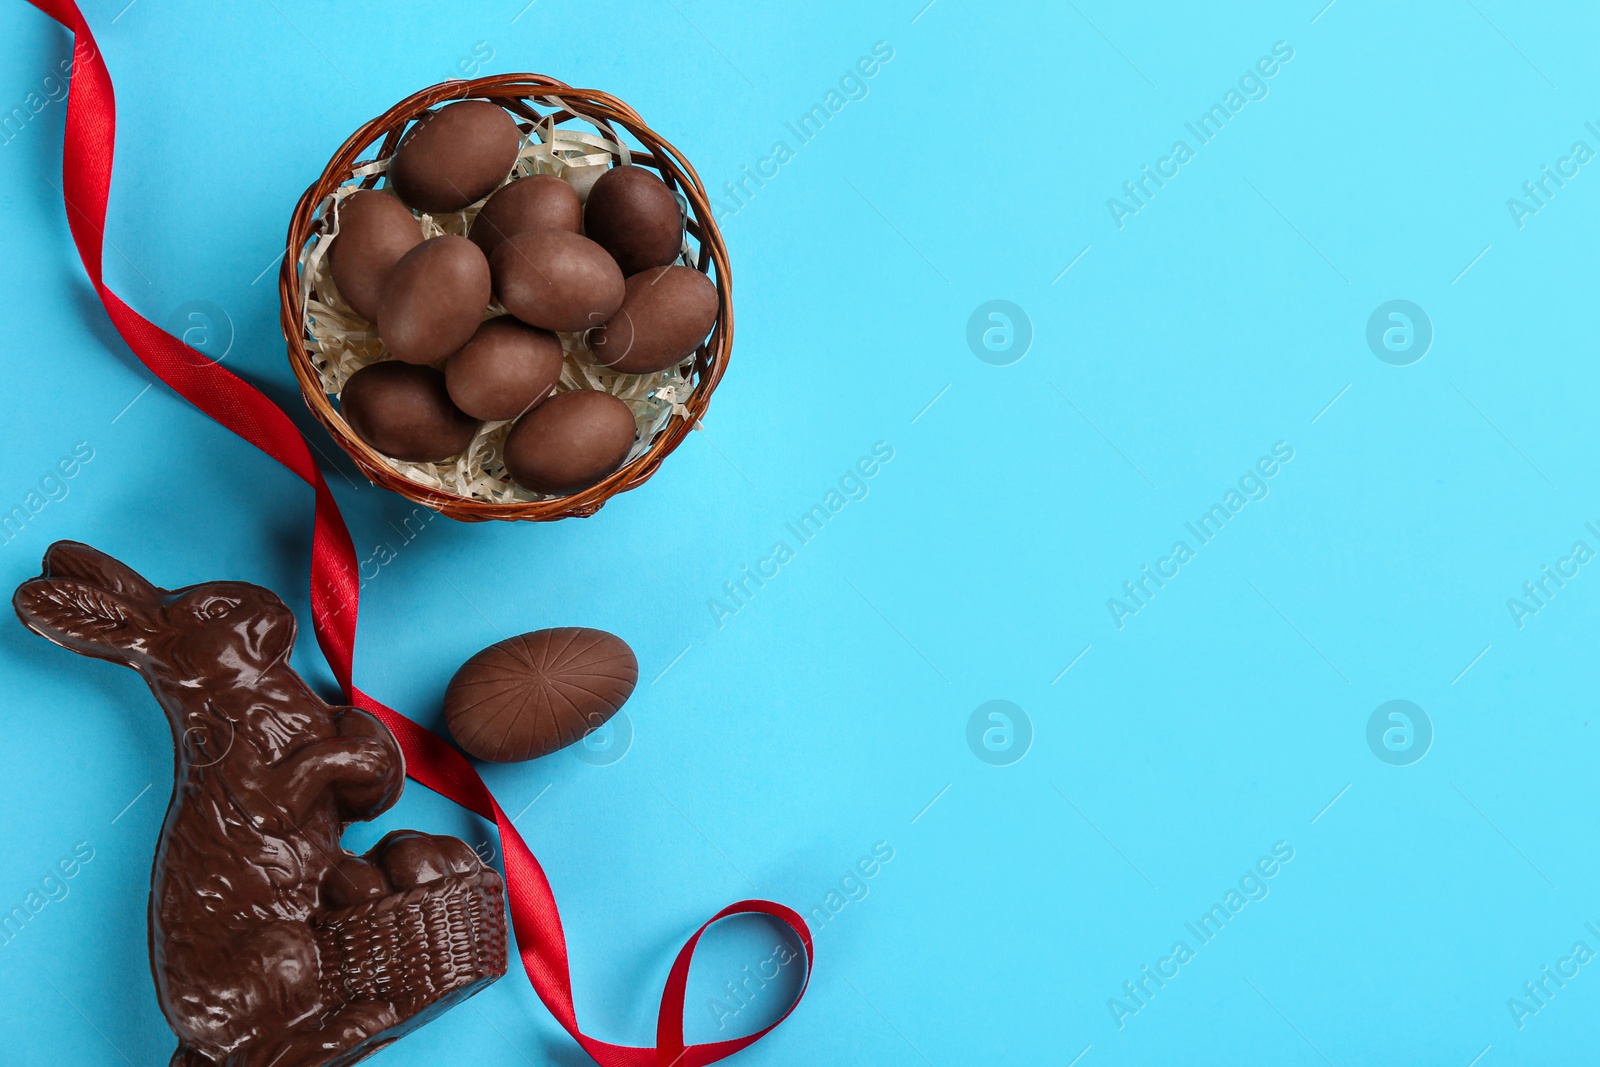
[[270, 944]]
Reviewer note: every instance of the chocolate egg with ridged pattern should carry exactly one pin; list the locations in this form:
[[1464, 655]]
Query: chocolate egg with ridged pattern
[[530, 695]]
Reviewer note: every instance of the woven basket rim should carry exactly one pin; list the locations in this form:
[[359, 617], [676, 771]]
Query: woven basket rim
[[517, 93]]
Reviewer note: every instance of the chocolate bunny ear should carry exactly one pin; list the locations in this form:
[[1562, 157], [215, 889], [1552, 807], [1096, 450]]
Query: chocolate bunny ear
[[70, 559], [85, 618]]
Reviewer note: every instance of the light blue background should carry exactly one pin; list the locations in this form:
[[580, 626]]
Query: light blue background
[[772, 752]]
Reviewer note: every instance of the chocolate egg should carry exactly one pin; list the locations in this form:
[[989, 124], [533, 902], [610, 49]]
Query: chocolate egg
[[411, 858], [569, 442], [405, 412], [434, 299], [505, 369], [353, 881], [375, 230], [532, 694], [665, 314], [557, 280], [634, 216], [531, 203], [454, 156]]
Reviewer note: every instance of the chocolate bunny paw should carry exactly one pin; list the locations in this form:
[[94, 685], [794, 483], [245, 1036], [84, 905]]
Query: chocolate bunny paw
[[385, 773]]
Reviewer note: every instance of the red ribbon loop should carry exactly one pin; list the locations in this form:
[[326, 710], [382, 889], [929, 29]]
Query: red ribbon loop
[[335, 589]]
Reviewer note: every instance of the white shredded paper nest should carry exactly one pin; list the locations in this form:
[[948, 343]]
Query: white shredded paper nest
[[341, 342]]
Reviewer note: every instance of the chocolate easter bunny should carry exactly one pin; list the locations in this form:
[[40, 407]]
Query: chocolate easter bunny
[[270, 944]]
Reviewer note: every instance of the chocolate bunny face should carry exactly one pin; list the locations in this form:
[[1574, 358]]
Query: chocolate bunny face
[[217, 633], [271, 944], [225, 628]]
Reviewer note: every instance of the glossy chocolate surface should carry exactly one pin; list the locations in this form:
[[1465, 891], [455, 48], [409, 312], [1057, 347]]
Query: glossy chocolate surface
[[569, 442], [454, 156], [505, 369], [529, 695], [634, 216], [665, 314], [375, 230], [269, 943], [531, 203], [405, 412]]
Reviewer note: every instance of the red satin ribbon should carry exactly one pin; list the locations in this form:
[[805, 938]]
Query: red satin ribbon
[[86, 184]]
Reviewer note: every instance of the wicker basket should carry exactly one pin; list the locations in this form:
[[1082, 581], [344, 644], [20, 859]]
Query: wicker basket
[[431, 945], [535, 101]]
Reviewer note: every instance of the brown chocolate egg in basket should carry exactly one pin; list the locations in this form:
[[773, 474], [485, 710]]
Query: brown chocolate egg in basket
[[577, 135]]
